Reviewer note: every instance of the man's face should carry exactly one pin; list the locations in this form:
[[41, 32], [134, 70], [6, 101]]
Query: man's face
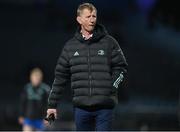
[[87, 20]]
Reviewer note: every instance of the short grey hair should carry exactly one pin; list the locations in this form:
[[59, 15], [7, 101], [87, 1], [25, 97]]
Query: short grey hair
[[83, 6]]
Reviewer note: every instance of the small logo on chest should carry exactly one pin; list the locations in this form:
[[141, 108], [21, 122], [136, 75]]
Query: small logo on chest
[[76, 54], [100, 52]]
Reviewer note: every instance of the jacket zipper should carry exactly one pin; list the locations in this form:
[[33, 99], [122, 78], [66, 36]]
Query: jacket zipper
[[90, 77]]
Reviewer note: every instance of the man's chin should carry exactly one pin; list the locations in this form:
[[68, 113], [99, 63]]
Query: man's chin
[[91, 29]]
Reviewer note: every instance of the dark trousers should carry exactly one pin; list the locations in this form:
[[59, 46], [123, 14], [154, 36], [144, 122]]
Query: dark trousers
[[99, 120]]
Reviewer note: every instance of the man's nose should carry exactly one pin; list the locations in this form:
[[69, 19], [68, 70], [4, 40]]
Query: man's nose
[[92, 20]]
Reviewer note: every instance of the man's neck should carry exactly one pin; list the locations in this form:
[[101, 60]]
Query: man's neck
[[86, 34]]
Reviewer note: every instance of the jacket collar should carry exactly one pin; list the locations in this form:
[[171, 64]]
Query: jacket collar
[[98, 32]]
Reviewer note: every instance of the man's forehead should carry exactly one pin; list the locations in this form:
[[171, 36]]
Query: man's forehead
[[88, 11]]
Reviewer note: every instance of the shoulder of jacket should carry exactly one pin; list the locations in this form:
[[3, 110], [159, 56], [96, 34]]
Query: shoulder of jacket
[[111, 41], [69, 43], [111, 38]]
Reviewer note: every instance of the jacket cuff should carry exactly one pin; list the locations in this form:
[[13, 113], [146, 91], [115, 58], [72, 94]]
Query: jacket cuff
[[52, 106]]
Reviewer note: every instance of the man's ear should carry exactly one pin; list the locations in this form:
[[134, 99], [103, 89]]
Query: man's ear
[[78, 19]]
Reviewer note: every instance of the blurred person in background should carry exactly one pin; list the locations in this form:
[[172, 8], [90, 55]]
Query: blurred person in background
[[33, 102], [96, 66]]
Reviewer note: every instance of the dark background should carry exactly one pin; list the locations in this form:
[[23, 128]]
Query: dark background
[[33, 32]]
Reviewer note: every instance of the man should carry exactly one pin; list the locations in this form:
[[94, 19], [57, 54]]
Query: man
[[94, 62], [33, 102]]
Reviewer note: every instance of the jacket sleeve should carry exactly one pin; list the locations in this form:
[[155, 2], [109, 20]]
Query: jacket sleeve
[[61, 77], [118, 65], [23, 102]]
